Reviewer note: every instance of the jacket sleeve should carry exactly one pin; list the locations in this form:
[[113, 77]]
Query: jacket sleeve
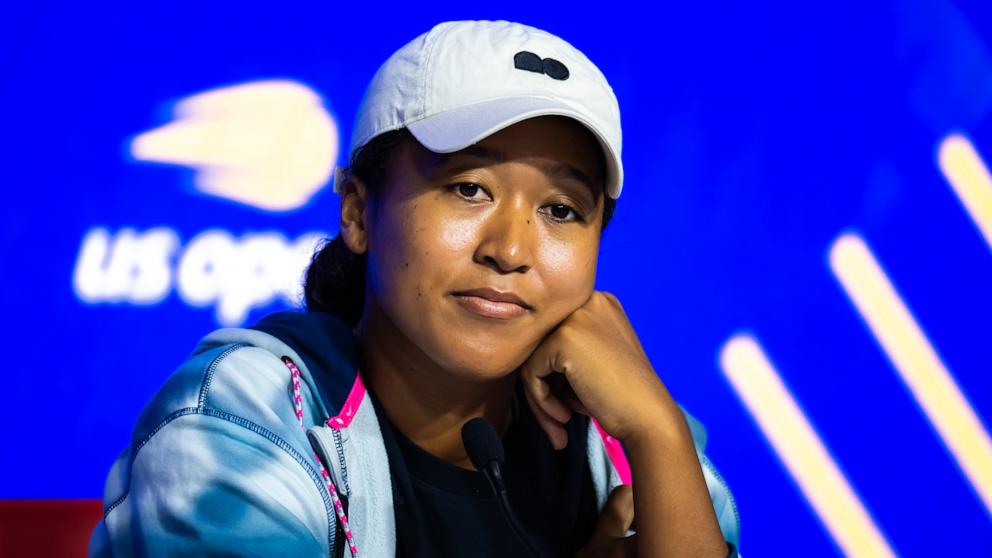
[[724, 505], [609, 468], [209, 483]]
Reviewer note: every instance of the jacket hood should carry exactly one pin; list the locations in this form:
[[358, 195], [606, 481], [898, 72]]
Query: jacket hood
[[325, 343]]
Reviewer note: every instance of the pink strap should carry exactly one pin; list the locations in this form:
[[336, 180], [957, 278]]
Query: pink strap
[[615, 452], [331, 489], [350, 407]]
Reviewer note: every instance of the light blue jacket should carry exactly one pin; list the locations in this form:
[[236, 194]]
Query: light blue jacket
[[218, 463]]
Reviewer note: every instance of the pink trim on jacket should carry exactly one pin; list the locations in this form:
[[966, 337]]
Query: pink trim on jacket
[[615, 452], [343, 419], [350, 407]]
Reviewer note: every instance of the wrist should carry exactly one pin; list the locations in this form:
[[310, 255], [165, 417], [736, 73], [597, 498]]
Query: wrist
[[663, 428]]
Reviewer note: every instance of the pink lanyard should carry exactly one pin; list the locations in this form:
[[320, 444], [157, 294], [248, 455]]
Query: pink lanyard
[[331, 489]]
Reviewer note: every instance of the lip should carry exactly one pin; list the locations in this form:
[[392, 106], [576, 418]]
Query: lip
[[492, 303]]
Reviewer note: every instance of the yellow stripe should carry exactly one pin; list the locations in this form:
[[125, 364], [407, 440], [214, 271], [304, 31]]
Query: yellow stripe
[[916, 361], [799, 447], [969, 178]]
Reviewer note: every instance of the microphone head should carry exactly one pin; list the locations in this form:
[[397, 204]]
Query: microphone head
[[482, 443]]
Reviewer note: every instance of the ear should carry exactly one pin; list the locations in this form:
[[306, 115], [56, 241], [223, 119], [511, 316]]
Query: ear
[[354, 226]]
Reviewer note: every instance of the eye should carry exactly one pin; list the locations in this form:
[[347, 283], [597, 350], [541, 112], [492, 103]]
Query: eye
[[468, 190], [563, 213]]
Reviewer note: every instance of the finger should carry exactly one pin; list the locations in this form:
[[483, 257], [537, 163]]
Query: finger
[[553, 405], [553, 428], [540, 390], [572, 401], [563, 390], [541, 362], [617, 514], [539, 376]]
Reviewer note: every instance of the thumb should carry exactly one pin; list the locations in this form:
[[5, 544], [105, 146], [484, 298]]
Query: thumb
[[617, 515]]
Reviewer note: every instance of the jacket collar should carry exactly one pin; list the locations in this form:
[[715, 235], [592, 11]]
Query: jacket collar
[[327, 347]]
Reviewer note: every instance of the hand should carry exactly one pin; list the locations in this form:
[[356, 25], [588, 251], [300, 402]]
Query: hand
[[609, 540], [594, 364]]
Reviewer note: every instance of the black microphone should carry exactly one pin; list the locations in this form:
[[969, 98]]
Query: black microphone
[[485, 450]]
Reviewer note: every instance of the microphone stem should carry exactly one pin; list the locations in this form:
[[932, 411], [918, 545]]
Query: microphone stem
[[496, 481]]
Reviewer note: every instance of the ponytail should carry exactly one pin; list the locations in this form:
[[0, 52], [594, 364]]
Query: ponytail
[[335, 281]]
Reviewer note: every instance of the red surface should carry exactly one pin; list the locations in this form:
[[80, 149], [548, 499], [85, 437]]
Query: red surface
[[42, 528]]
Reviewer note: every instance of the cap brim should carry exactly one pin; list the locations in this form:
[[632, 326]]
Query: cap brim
[[458, 128]]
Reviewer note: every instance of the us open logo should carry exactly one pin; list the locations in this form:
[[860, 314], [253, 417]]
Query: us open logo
[[267, 145]]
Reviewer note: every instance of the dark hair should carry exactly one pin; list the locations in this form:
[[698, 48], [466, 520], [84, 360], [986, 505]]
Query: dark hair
[[335, 280]]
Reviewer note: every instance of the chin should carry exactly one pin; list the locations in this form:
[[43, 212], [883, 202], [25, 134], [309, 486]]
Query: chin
[[481, 361]]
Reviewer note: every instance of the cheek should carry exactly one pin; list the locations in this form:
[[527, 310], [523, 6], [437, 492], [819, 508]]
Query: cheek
[[569, 267], [456, 235], [439, 243], [394, 249], [561, 258], [413, 251]]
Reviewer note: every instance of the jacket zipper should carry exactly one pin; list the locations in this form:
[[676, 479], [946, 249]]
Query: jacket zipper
[[339, 446], [338, 546]]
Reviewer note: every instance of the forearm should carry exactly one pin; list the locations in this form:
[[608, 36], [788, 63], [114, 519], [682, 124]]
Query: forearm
[[672, 508]]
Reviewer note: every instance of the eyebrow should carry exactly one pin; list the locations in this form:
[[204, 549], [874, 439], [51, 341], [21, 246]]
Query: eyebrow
[[493, 156]]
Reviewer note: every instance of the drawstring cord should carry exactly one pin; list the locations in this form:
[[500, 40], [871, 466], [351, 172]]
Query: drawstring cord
[[335, 499]]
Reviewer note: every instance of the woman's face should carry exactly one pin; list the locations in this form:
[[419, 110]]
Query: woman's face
[[520, 212]]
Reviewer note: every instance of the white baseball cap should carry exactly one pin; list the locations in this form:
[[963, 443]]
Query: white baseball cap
[[463, 81]]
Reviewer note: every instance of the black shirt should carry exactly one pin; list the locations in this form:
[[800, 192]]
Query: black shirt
[[444, 510]]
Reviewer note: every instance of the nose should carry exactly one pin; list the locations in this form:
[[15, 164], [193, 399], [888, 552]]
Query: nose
[[508, 238]]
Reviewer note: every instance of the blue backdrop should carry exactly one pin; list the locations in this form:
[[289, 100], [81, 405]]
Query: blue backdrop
[[755, 134]]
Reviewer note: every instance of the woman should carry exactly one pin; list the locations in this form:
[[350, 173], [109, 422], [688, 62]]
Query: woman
[[485, 164]]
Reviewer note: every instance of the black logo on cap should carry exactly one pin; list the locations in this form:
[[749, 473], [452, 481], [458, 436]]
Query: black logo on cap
[[531, 62]]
